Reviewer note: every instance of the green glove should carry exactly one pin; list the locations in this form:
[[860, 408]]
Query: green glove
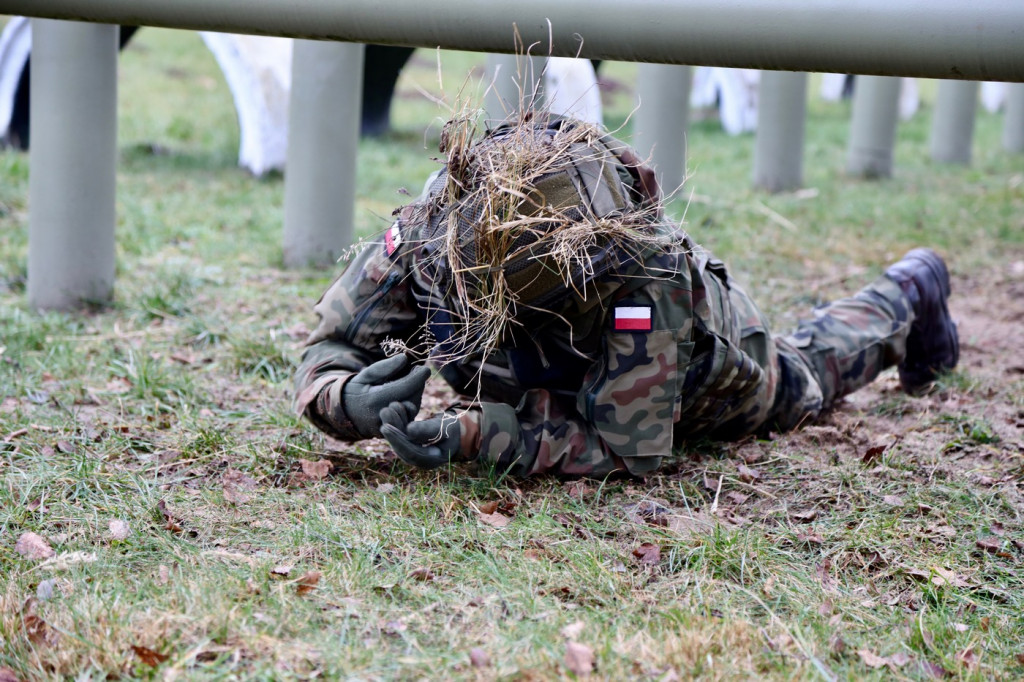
[[427, 443], [378, 386]]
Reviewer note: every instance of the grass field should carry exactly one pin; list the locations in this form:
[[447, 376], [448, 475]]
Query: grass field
[[164, 515]]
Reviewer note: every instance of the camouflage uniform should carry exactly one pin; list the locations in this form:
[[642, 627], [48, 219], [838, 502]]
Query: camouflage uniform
[[590, 399]]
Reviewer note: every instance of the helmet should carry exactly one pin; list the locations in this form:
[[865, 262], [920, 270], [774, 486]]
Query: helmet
[[531, 213]]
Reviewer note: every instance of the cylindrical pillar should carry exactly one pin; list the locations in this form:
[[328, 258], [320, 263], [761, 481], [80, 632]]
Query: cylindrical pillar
[[779, 148], [323, 145], [953, 122], [663, 120], [73, 164], [876, 102], [513, 82], [1013, 121]]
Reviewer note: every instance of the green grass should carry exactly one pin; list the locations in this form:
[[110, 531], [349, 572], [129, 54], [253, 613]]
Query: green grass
[[169, 412]]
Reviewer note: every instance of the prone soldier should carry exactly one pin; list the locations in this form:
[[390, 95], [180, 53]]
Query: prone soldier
[[588, 333]]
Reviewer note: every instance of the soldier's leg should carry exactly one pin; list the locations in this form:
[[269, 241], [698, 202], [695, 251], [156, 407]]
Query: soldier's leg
[[846, 345]]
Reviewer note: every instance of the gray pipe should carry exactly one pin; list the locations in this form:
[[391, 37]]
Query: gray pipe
[[73, 164], [1013, 123], [953, 122], [779, 148], [978, 40], [323, 145], [662, 120], [876, 102]]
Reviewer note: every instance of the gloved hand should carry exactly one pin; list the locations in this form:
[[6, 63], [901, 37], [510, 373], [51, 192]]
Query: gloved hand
[[379, 385], [427, 443]]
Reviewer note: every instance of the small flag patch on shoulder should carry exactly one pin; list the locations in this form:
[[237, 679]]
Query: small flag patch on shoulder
[[392, 239], [632, 318]]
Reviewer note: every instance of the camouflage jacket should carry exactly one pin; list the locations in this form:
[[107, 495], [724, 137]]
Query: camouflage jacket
[[655, 358]]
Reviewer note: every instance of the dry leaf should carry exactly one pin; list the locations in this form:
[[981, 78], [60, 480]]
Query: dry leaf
[[163, 575], [234, 484], [119, 530], [748, 475], [736, 497], [65, 447], [871, 454], [421, 574], [478, 658], [577, 489], [34, 547], [899, 659], [170, 523], [316, 470], [893, 500], [385, 487], [989, 544], [148, 656], [281, 570], [648, 553], [810, 538], [934, 670], [488, 507], [960, 627], [806, 516], [37, 630], [967, 658], [579, 658], [871, 659], [495, 520], [307, 583], [8, 675], [768, 586], [573, 630]]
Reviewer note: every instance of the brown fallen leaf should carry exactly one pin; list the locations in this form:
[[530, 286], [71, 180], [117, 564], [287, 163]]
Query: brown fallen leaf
[[871, 659], [148, 656], [8, 675], [736, 497], [308, 582], [38, 631], [495, 520], [967, 658], [478, 658], [934, 670], [648, 553], [748, 475], [65, 447], [806, 516], [989, 544], [871, 454], [579, 658], [899, 659], [488, 507], [422, 574], [1020, 658], [893, 500], [33, 547], [170, 523], [280, 571], [316, 470], [577, 489]]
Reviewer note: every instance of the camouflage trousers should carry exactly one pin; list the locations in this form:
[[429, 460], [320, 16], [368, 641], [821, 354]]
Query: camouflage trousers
[[843, 348]]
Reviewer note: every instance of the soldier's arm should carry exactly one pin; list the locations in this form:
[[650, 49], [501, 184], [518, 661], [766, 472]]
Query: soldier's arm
[[369, 302]]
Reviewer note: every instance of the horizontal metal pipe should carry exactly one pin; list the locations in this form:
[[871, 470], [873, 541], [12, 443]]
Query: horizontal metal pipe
[[977, 40]]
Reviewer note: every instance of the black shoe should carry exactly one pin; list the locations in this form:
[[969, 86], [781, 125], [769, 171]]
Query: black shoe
[[933, 346]]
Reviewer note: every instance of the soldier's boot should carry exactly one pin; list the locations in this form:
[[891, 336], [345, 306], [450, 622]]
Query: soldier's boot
[[933, 345]]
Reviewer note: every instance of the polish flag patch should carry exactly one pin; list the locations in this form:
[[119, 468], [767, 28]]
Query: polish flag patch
[[633, 318], [392, 239]]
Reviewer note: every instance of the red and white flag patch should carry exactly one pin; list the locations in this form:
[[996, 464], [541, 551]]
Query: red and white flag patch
[[632, 318], [392, 239]]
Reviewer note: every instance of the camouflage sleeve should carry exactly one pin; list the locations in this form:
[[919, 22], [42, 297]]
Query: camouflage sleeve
[[624, 414], [371, 301]]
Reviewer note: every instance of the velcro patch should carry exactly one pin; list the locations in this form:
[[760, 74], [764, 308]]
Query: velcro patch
[[392, 239], [632, 318]]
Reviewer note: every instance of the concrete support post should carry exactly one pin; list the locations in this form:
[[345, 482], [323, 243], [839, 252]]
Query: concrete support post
[[953, 123], [1013, 122], [512, 80], [73, 164], [323, 145], [663, 120], [876, 101], [781, 113]]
